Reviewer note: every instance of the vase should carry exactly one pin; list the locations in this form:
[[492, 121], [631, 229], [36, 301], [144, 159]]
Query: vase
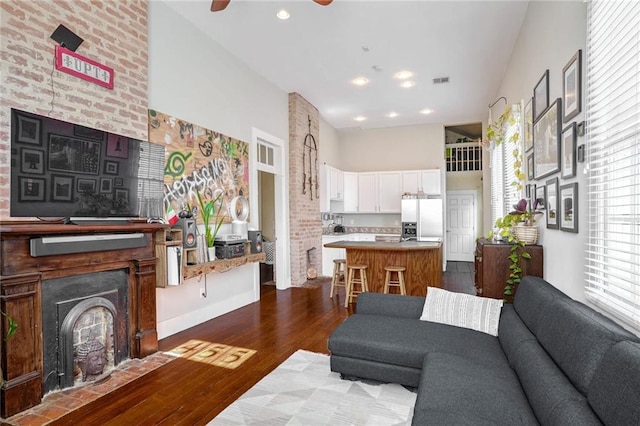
[[211, 251], [525, 233]]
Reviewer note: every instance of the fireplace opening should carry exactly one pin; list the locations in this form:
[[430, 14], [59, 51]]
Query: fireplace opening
[[85, 327]]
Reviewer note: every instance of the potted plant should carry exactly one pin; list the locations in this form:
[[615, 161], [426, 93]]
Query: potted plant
[[209, 214]]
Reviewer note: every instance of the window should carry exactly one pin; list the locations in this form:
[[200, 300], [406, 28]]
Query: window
[[504, 193], [613, 159], [151, 180]]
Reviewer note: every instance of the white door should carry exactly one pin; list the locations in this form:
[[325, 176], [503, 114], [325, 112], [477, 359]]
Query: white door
[[461, 224]]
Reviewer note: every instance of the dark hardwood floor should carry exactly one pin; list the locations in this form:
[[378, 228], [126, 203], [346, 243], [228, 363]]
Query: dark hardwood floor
[[185, 392]]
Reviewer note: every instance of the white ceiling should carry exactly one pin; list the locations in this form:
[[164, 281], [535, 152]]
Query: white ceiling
[[319, 50]]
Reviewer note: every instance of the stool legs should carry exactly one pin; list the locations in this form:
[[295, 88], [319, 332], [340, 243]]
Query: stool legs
[[388, 282], [339, 276], [352, 280]]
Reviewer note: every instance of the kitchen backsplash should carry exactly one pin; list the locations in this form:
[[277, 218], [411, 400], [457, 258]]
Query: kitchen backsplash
[[365, 230]]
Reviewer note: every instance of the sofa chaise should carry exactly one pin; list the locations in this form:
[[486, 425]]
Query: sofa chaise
[[554, 361]]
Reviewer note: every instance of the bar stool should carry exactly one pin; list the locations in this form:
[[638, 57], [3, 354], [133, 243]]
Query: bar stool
[[352, 280], [339, 278], [388, 282]]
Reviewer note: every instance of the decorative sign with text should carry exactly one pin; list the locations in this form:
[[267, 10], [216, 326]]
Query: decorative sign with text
[[84, 68]]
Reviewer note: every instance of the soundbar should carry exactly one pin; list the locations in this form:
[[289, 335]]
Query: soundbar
[[49, 246]]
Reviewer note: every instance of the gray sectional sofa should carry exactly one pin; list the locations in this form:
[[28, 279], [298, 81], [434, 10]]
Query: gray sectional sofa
[[555, 361]]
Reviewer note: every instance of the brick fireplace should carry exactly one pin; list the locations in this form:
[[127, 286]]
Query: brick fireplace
[[91, 310]]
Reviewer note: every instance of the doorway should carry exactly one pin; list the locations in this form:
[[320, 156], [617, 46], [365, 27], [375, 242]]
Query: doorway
[[268, 165], [266, 201], [461, 225]]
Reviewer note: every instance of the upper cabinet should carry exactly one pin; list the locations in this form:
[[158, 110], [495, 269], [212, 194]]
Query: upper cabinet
[[427, 181], [389, 192], [336, 184], [374, 192], [367, 192], [350, 197]]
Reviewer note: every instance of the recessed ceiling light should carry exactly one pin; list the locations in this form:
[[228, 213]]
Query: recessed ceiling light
[[360, 81], [426, 111], [392, 114], [360, 118], [403, 75], [283, 14], [407, 84]]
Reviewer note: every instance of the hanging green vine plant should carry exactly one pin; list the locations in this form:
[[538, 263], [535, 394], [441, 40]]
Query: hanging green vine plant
[[497, 135]]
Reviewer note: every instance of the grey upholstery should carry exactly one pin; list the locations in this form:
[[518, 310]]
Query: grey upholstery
[[555, 361]]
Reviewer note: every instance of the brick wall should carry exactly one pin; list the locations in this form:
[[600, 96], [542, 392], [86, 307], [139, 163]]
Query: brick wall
[[304, 212], [114, 33]]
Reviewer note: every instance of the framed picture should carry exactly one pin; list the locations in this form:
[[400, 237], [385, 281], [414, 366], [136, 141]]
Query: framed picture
[[86, 185], [552, 203], [541, 197], [68, 154], [572, 87], [31, 189], [106, 185], [568, 151], [541, 96], [117, 146], [61, 188], [88, 133], [530, 174], [111, 167], [546, 141], [122, 195], [528, 126], [117, 182], [32, 161], [29, 130], [529, 191], [569, 207]]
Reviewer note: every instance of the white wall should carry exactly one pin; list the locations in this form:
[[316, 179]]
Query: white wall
[[193, 78], [394, 148], [551, 33], [329, 145]]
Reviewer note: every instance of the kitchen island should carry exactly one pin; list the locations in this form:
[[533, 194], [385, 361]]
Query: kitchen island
[[423, 261]]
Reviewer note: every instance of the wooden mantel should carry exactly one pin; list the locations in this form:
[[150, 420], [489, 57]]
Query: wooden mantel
[[21, 277]]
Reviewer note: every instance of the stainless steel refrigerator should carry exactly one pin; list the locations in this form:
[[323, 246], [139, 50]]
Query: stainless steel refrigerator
[[422, 219]]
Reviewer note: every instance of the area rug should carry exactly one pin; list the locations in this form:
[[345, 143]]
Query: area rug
[[303, 391]]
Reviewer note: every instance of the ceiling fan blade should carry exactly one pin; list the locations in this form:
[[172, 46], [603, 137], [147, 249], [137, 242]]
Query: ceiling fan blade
[[323, 2], [218, 5]]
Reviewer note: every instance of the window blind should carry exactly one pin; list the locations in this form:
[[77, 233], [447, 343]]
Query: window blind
[[613, 159], [151, 180], [503, 193]]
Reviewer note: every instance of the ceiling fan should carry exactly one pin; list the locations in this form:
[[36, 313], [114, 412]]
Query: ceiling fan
[[218, 5]]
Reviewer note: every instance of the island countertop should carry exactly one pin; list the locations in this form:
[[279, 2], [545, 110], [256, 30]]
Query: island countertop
[[422, 260], [386, 245]]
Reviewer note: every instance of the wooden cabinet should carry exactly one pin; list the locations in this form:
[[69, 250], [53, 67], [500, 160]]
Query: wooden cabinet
[[492, 266]]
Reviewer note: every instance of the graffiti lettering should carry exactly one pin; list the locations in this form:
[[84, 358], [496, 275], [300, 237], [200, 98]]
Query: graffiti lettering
[[176, 164]]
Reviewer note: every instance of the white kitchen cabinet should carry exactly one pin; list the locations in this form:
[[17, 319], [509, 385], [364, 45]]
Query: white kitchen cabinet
[[389, 192], [367, 192], [329, 254], [336, 184], [411, 181], [431, 182], [350, 181]]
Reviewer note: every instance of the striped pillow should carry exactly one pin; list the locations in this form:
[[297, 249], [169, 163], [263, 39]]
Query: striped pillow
[[462, 310]]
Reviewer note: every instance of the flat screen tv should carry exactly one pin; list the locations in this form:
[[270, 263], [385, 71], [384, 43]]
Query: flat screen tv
[[65, 170]]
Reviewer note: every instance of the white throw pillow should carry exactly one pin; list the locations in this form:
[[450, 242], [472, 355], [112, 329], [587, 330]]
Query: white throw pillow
[[462, 310]]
